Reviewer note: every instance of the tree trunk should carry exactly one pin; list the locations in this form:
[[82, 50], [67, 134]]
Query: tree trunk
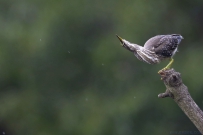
[[179, 92]]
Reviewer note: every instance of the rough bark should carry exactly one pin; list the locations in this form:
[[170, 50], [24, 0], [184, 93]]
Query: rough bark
[[179, 93]]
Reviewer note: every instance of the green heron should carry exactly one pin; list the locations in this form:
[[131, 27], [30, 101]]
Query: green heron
[[156, 49]]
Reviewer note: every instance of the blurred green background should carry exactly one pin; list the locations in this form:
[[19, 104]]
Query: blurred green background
[[63, 71]]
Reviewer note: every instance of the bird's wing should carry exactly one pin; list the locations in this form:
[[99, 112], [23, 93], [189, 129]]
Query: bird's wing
[[154, 42], [163, 45], [168, 44]]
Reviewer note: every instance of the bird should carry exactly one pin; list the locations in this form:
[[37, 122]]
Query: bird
[[156, 49]]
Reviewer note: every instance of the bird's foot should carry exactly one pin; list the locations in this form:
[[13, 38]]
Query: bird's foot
[[167, 67], [164, 69]]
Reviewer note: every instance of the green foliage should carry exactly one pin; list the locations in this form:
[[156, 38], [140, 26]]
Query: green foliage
[[64, 72]]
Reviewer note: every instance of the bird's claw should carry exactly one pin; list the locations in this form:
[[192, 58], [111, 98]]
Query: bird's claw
[[160, 71]]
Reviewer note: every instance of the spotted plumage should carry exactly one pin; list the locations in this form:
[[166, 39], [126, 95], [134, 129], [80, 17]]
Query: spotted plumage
[[156, 49]]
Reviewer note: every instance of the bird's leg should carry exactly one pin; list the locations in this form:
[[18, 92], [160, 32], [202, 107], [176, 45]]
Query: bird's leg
[[168, 66]]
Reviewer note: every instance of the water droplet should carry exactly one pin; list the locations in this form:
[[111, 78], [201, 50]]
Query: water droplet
[[102, 64], [3, 133], [86, 99], [134, 97], [68, 51], [40, 39]]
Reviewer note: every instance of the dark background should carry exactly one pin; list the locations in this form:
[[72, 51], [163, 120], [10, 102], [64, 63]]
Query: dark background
[[63, 71]]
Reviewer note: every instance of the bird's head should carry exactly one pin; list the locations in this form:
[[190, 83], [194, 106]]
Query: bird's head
[[123, 41]]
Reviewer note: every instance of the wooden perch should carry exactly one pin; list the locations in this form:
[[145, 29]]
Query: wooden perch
[[179, 93]]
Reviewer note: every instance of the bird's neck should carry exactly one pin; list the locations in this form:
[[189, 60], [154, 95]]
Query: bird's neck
[[130, 46]]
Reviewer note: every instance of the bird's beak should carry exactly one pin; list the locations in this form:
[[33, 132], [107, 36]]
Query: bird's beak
[[121, 40]]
